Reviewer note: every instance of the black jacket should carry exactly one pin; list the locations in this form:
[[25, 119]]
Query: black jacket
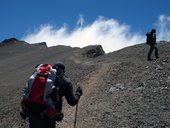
[[65, 90], [151, 38]]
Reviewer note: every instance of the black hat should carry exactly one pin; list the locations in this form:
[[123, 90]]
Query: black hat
[[59, 65], [154, 30]]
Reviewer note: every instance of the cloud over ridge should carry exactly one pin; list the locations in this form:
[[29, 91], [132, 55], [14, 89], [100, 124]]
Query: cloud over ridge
[[163, 25], [107, 32]]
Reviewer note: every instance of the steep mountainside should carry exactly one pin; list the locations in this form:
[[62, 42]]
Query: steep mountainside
[[120, 89]]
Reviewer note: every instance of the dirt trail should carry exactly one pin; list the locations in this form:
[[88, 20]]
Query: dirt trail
[[87, 108], [90, 102]]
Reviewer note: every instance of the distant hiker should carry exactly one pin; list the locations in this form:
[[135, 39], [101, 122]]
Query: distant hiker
[[151, 40], [42, 98]]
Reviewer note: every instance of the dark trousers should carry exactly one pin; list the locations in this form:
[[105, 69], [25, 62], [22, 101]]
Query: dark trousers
[[35, 122], [153, 47]]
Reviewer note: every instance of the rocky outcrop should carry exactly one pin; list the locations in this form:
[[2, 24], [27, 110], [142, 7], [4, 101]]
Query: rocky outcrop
[[10, 40], [41, 44], [93, 51]]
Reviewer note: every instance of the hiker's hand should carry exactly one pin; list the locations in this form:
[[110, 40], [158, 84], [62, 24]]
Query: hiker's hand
[[59, 116], [79, 91]]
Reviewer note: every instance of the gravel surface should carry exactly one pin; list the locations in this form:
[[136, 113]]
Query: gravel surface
[[120, 89]]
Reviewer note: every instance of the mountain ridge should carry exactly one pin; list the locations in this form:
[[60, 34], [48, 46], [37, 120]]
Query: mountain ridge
[[120, 89]]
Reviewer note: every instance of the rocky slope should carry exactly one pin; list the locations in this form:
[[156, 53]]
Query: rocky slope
[[121, 89]]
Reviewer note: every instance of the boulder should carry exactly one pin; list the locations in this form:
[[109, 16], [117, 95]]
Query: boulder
[[40, 44], [93, 51]]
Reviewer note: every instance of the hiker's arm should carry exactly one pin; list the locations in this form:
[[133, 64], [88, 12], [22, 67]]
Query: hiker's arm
[[71, 97], [154, 38]]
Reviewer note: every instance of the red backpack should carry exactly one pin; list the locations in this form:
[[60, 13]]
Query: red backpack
[[36, 99], [149, 38]]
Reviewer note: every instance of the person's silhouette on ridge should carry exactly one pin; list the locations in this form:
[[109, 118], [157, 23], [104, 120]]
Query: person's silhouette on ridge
[[151, 40]]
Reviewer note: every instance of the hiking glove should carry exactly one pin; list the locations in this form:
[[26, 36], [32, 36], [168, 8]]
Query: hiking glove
[[79, 91], [59, 116]]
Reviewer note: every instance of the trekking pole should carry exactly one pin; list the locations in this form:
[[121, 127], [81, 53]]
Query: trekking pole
[[75, 120]]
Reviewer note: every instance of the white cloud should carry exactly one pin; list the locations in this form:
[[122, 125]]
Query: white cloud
[[107, 32], [163, 27], [80, 21]]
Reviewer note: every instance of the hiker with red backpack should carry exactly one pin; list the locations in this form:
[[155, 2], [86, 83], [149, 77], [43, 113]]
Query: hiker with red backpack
[[42, 98], [151, 40]]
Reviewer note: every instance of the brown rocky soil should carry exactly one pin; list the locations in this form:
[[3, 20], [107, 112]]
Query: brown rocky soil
[[120, 89]]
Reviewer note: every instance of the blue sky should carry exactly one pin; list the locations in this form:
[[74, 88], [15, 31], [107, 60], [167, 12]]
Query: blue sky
[[112, 23]]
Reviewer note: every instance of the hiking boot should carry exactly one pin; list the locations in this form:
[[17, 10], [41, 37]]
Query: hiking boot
[[150, 59]]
